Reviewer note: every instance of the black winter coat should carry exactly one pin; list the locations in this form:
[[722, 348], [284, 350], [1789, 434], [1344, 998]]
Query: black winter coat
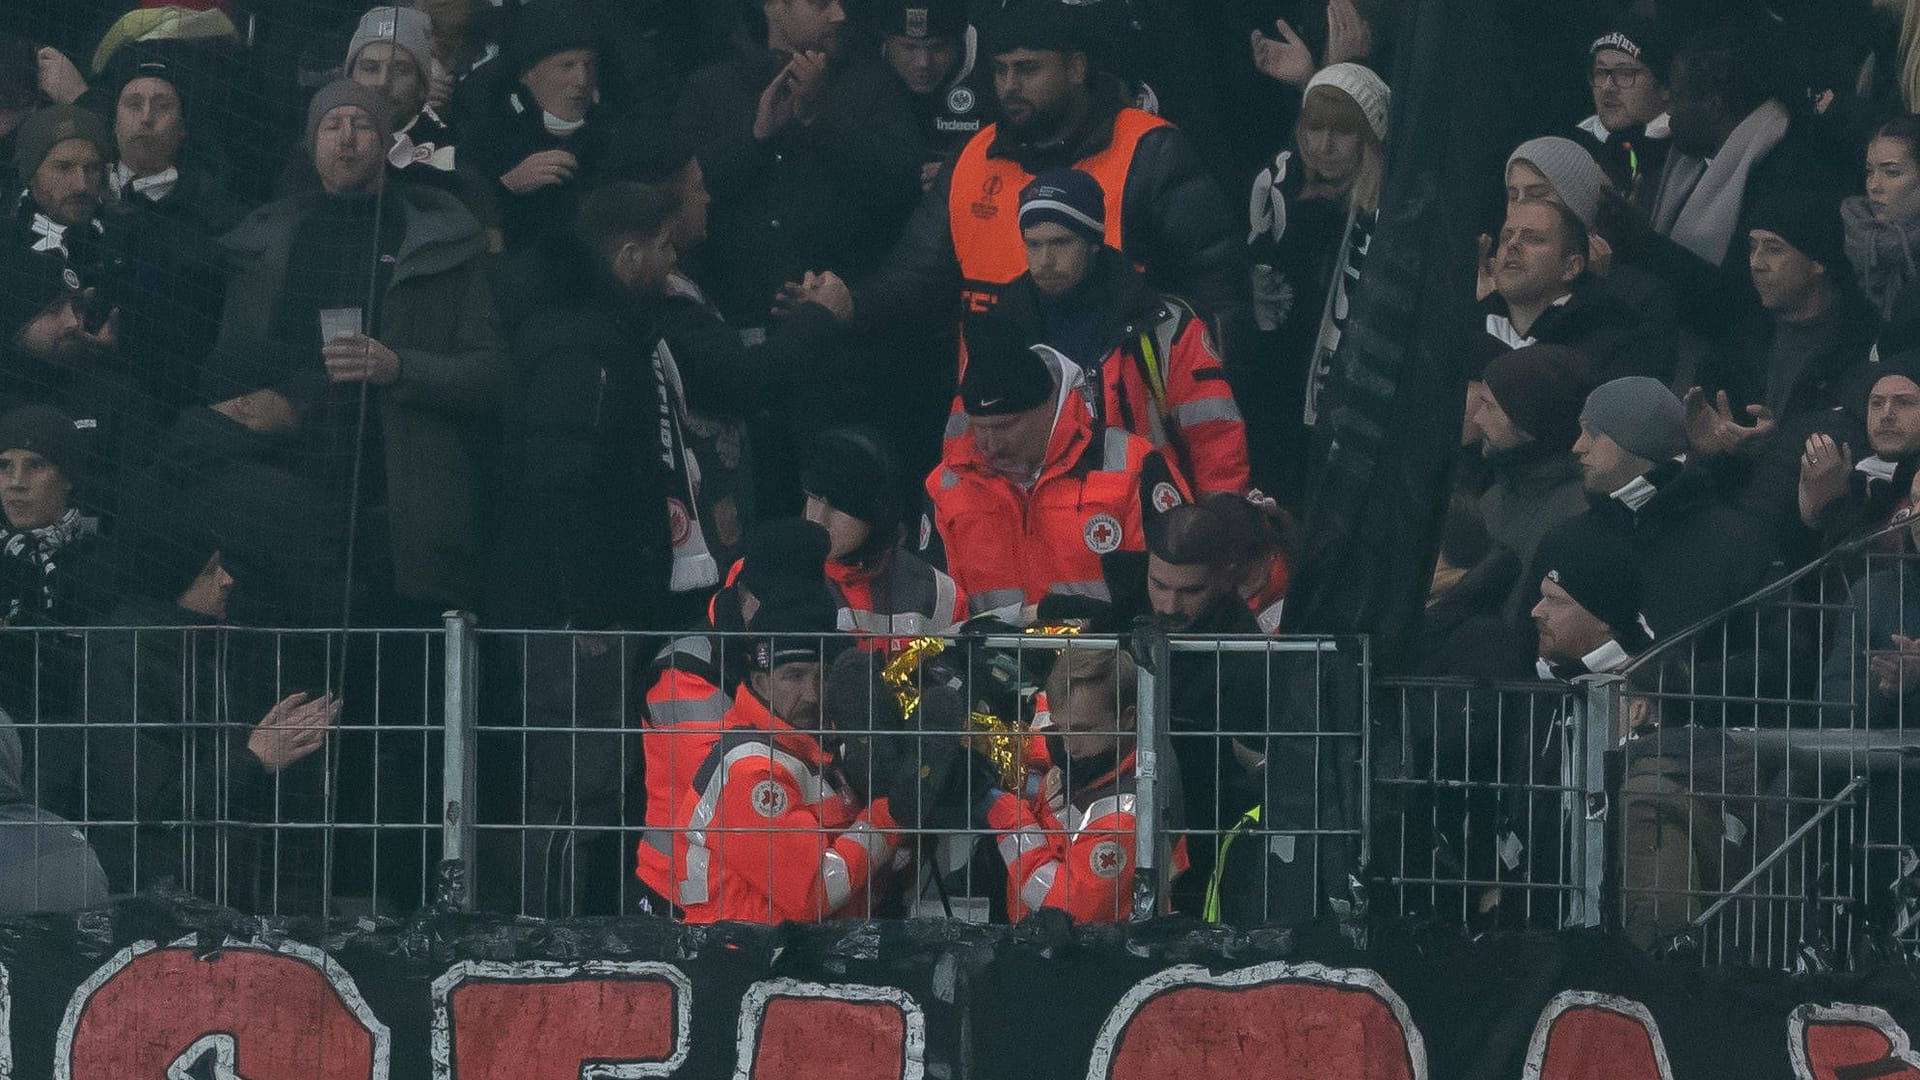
[[1615, 339], [583, 539], [831, 195], [1694, 556]]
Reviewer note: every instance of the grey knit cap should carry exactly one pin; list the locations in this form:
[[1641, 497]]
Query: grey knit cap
[[1569, 168], [347, 92], [1640, 414], [409, 28]]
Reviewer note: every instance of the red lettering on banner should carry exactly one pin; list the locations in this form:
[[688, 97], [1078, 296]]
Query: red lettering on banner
[[1277, 1020], [264, 1012], [830, 1031], [1582, 1035], [1835, 1042], [539, 1020]]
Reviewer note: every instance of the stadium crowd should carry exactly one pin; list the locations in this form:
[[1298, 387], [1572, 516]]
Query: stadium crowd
[[776, 318]]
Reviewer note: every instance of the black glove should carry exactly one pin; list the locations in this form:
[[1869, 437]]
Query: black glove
[[857, 767], [919, 785]]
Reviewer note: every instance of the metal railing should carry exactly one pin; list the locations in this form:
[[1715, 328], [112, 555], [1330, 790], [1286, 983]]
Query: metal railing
[[1766, 759], [1741, 791]]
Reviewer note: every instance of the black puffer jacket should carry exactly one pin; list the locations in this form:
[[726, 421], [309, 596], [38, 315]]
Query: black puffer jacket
[[1694, 555], [1178, 226], [583, 539]]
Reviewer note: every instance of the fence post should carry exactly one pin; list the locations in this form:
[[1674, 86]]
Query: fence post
[[462, 717], [1597, 707], [1151, 660]]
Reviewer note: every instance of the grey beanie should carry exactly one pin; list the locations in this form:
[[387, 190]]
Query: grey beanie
[[347, 92], [1640, 414], [1569, 168], [409, 28]]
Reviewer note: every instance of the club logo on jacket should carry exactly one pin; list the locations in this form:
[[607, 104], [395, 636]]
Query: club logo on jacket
[[1102, 534], [1108, 858], [679, 521], [960, 100]]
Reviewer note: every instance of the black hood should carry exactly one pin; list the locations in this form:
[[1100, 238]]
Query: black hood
[[559, 270]]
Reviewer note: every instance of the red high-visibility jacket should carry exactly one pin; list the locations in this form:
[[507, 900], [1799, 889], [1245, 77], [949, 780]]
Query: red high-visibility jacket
[[1164, 381], [1080, 860], [687, 705], [763, 835], [1007, 546]]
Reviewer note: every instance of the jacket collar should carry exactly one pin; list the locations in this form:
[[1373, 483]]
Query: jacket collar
[[749, 713], [439, 234]]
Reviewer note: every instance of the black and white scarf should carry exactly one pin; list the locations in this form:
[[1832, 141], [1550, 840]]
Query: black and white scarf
[[40, 549]]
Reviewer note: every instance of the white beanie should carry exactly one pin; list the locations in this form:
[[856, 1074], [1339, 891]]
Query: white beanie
[[1366, 89], [409, 28], [1569, 168]]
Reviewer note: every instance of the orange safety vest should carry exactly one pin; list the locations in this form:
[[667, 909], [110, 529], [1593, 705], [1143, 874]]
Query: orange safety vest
[[983, 204]]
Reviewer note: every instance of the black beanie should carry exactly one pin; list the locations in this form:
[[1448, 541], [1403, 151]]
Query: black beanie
[[853, 470], [152, 60], [1051, 25], [785, 553], [45, 431], [923, 18], [1004, 377], [1066, 197], [29, 282], [1808, 217], [786, 572], [1644, 40], [1905, 363], [1600, 577], [544, 27], [161, 551], [1541, 388]]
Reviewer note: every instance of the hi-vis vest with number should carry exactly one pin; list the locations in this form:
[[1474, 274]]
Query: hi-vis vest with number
[[983, 204]]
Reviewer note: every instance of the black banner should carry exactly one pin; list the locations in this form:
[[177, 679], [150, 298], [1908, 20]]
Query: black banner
[[172, 988]]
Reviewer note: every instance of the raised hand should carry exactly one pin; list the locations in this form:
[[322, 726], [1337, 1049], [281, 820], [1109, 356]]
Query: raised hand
[[1287, 59], [292, 729]]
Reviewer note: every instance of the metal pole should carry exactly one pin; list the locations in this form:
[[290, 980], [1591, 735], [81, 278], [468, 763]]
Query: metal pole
[[462, 717], [1151, 660], [1596, 714]]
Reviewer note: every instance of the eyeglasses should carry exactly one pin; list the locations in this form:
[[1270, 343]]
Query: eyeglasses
[[1622, 77]]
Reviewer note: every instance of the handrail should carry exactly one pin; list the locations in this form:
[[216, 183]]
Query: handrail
[[1846, 550], [1832, 805]]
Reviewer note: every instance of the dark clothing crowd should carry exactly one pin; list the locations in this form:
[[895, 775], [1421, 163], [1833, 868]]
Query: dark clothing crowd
[[743, 326]]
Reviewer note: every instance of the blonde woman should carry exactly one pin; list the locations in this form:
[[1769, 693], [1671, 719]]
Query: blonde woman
[[1309, 218]]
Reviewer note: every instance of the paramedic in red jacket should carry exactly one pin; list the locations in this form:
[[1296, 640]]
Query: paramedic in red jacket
[[1153, 358], [770, 829], [1072, 846], [1030, 493]]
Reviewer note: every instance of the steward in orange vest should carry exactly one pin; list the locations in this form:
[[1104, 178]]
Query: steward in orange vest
[[1032, 495], [1056, 111]]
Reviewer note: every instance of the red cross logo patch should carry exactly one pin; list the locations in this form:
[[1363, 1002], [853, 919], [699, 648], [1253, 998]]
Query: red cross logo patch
[[1108, 859], [1165, 496], [1102, 534], [769, 798]]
